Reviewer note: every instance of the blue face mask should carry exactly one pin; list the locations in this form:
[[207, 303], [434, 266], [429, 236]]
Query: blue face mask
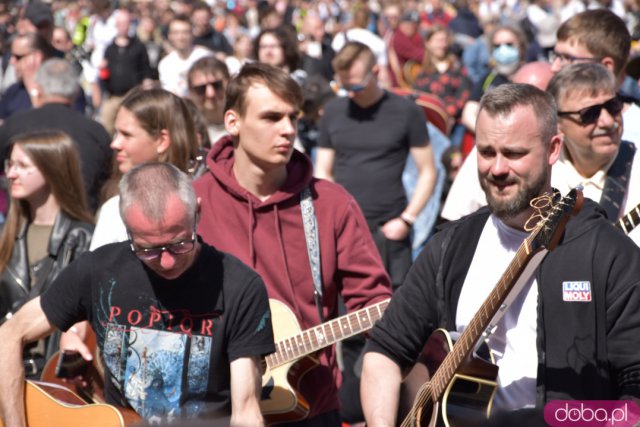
[[505, 54]]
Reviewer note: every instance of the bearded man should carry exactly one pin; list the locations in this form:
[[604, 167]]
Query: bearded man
[[548, 345]]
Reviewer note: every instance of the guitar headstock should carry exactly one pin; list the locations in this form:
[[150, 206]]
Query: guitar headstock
[[551, 225]]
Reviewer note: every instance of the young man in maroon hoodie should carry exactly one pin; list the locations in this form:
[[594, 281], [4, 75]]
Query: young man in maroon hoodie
[[251, 208]]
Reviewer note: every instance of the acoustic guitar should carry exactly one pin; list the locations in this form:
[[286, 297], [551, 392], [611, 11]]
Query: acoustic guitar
[[280, 400], [92, 393], [463, 382], [52, 405]]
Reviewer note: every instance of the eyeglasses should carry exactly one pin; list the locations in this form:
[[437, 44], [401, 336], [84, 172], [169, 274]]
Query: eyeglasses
[[359, 87], [202, 89], [497, 45], [179, 248], [590, 115], [19, 167], [565, 58], [269, 46], [19, 57]]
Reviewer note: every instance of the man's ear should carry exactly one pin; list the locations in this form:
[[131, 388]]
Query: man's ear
[[232, 122], [555, 148], [609, 63]]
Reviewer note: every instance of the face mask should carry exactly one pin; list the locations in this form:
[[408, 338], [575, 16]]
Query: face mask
[[506, 58], [505, 54]]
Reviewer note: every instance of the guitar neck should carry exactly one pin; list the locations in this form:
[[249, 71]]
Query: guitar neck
[[313, 339], [630, 221], [481, 320]]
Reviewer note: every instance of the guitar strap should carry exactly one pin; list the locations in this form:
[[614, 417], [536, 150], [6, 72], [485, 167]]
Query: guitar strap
[[617, 181], [310, 223]]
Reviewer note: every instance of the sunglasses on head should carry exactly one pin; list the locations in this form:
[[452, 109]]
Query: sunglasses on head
[[590, 115], [202, 89]]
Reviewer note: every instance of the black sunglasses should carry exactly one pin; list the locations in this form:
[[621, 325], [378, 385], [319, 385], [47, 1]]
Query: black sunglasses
[[590, 115], [202, 89]]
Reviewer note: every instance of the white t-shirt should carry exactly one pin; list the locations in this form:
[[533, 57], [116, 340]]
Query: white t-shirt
[[631, 123], [110, 227], [513, 344], [172, 70]]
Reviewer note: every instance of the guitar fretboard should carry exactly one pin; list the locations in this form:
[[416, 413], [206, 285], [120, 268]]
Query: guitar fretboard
[[630, 221], [480, 321], [313, 339]]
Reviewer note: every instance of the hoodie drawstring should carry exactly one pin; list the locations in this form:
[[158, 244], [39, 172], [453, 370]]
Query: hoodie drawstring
[[283, 255], [252, 252]]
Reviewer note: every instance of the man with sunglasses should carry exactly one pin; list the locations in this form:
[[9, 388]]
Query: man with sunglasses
[[180, 326], [363, 144], [208, 78], [595, 155], [599, 36]]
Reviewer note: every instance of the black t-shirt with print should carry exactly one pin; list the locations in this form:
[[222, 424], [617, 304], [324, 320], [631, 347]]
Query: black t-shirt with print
[[166, 344]]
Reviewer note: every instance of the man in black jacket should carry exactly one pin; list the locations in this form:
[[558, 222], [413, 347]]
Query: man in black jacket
[[570, 333]]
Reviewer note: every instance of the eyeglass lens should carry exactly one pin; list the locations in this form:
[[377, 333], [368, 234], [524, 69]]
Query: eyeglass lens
[[202, 89], [591, 114]]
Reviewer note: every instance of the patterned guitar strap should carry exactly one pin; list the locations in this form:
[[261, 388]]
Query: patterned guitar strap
[[313, 246], [617, 181]]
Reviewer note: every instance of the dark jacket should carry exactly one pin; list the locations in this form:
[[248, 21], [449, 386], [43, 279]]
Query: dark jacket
[[585, 350], [69, 238]]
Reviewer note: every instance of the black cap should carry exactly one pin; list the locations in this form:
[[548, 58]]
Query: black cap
[[38, 13]]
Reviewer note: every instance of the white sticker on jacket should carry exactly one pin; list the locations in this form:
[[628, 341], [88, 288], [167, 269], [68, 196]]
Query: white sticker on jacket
[[576, 291]]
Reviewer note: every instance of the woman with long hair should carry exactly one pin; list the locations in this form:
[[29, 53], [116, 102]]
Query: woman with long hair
[[279, 47], [48, 223], [151, 125], [442, 73]]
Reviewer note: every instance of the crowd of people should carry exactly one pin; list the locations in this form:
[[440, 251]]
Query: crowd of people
[[173, 168]]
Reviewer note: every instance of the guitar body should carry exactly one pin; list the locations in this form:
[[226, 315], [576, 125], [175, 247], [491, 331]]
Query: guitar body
[[92, 394], [51, 405], [280, 400], [469, 395]]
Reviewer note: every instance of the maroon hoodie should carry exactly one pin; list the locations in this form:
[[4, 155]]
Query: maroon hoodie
[[269, 236]]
